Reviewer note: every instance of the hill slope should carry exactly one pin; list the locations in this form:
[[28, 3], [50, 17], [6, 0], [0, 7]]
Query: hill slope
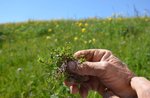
[[21, 44]]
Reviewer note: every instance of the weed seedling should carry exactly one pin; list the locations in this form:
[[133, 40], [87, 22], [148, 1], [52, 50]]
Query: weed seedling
[[61, 59]]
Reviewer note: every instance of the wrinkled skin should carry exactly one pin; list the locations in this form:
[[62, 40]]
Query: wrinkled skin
[[107, 75]]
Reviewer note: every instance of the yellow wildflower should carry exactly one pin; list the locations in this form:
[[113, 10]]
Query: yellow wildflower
[[86, 24], [85, 42], [75, 38], [80, 24], [90, 41], [49, 30], [57, 25], [93, 40], [48, 37], [109, 19], [83, 30]]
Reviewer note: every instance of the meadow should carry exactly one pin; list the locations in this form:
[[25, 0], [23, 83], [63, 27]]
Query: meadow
[[23, 44]]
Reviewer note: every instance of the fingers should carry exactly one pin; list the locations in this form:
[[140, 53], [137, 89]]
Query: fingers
[[101, 89], [67, 83], [74, 89], [92, 84], [83, 91], [87, 54], [89, 68], [94, 55]]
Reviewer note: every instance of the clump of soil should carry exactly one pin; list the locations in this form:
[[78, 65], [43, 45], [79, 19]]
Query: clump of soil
[[61, 60], [69, 75]]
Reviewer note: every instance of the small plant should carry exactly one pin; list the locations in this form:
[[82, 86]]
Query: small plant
[[60, 60]]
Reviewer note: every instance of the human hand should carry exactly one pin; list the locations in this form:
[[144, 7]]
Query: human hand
[[104, 71], [92, 84]]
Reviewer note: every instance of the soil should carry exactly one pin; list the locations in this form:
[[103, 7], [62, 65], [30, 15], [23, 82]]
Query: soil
[[70, 76]]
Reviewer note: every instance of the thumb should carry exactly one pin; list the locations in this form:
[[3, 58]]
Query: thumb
[[88, 68]]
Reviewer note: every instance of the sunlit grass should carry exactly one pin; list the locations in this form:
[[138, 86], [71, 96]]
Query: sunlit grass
[[21, 44]]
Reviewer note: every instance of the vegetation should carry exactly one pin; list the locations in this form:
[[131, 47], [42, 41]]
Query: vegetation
[[23, 45]]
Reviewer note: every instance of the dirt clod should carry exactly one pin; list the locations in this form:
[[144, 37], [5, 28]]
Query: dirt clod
[[68, 67]]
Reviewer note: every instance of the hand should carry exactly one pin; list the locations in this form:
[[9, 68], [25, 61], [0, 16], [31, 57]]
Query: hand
[[104, 71], [92, 84]]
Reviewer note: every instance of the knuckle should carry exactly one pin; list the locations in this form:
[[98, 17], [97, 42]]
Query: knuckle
[[108, 51], [100, 69], [104, 65]]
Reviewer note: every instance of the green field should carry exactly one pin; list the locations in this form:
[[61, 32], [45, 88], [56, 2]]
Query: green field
[[22, 44]]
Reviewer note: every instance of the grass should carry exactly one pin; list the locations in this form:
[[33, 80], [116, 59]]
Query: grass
[[22, 44]]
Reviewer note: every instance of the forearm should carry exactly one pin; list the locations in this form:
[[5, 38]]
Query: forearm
[[142, 86]]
